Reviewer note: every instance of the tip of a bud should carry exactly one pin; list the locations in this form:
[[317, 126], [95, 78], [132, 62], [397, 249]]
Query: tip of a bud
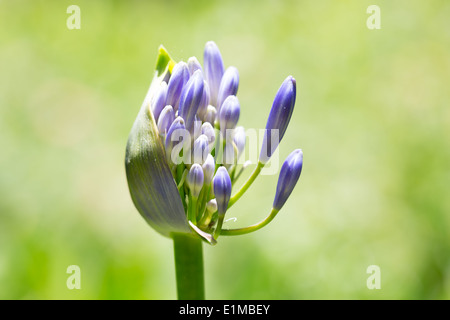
[[201, 149], [165, 119], [229, 113], [191, 97], [228, 86], [179, 77], [193, 65]]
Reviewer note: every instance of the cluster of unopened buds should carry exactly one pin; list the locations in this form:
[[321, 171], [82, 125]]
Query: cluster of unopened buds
[[185, 150]]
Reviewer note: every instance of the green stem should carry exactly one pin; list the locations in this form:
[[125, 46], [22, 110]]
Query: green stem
[[219, 226], [240, 231], [192, 209], [189, 267], [246, 185]]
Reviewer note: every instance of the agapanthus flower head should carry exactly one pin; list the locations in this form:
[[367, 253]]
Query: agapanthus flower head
[[182, 152]]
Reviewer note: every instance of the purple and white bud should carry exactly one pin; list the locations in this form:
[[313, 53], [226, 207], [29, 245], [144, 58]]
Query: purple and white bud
[[214, 69], [209, 167], [201, 149], [190, 98], [222, 189], [210, 115], [179, 77], [229, 113], [228, 86], [194, 180], [203, 107], [165, 119], [176, 137], [289, 175], [193, 65], [239, 140], [279, 117], [159, 101], [208, 131]]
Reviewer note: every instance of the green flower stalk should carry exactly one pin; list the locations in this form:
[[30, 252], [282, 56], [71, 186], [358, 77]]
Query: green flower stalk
[[182, 152]]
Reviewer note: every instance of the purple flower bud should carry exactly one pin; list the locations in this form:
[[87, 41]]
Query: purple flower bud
[[279, 117], [228, 86], [209, 167], [190, 98], [222, 189], [209, 132], [176, 130], [289, 174], [194, 179], [179, 77], [214, 69], [210, 115], [201, 149], [159, 101], [229, 113], [193, 65], [165, 119], [203, 107], [239, 140]]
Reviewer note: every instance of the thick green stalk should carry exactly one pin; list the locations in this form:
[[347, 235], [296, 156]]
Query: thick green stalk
[[189, 267]]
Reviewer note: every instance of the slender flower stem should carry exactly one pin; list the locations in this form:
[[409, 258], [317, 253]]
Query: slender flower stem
[[240, 231], [189, 267], [192, 209], [247, 184], [219, 226]]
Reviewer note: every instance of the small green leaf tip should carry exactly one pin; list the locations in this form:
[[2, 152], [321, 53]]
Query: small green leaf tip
[[163, 60]]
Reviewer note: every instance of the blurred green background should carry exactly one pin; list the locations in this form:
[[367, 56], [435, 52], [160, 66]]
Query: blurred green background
[[372, 118]]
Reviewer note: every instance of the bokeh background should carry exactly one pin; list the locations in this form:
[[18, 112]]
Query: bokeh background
[[372, 118]]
